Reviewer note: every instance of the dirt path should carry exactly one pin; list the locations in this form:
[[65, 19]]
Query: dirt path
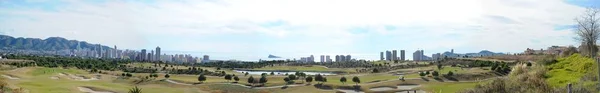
[[88, 90], [10, 77]]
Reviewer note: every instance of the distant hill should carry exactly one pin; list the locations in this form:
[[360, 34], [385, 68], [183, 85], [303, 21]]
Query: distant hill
[[273, 56], [481, 53], [48, 44]]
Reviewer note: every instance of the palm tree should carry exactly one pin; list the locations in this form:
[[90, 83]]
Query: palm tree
[[135, 90]]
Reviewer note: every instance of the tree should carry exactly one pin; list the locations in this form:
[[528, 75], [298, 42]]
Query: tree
[[263, 80], [228, 77], [272, 73], [439, 66], [356, 80], [135, 90], [251, 80], [236, 78], [309, 79], [292, 77], [588, 31], [302, 74], [319, 78], [167, 76], [422, 74], [450, 73], [263, 74], [246, 74], [435, 73], [427, 73], [324, 79], [287, 80], [201, 78], [375, 70], [343, 80]]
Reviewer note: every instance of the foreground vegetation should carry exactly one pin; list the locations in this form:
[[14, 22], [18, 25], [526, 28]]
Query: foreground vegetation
[[548, 76]]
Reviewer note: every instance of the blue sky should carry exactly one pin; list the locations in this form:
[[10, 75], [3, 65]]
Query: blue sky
[[253, 29]]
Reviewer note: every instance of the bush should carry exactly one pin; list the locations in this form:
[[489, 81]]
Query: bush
[[450, 73], [435, 73]]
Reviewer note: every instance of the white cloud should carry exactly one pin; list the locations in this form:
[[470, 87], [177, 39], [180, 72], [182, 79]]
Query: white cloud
[[321, 26]]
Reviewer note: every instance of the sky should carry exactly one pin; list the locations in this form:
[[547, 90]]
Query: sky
[[253, 29]]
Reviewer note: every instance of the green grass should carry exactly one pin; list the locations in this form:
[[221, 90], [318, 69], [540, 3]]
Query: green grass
[[570, 70], [455, 70], [448, 87], [37, 81], [54, 71], [414, 75]]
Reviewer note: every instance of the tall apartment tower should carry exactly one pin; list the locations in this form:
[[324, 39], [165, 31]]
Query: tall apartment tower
[[388, 55], [381, 56], [157, 58], [143, 55], [328, 58], [394, 55], [322, 58], [402, 55], [348, 58]]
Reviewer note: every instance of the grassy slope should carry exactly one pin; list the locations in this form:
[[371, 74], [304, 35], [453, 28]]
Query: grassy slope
[[570, 70]]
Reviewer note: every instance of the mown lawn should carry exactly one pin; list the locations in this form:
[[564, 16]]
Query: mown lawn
[[448, 87], [37, 80]]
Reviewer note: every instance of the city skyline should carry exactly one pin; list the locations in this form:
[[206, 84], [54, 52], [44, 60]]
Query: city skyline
[[292, 30]]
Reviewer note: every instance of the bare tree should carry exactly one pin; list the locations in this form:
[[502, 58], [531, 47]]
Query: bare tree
[[588, 30]]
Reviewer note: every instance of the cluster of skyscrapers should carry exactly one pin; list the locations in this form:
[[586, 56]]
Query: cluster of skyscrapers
[[143, 55], [311, 58], [327, 58], [392, 55]]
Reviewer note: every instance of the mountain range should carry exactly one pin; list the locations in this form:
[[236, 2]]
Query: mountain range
[[481, 53], [48, 44]]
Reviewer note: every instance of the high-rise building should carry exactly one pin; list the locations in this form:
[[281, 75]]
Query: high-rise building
[[311, 58], [394, 55], [143, 55], [205, 57], [157, 54], [337, 58], [452, 51], [436, 57], [322, 58], [402, 55], [151, 56], [388, 55], [328, 58], [100, 51], [348, 58], [418, 55], [381, 56], [342, 58]]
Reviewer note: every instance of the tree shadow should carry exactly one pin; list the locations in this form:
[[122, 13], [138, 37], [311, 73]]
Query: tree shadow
[[425, 79], [451, 78], [438, 79], [321, 86]]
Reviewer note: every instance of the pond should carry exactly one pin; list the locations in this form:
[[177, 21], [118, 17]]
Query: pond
[[258, 72]]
